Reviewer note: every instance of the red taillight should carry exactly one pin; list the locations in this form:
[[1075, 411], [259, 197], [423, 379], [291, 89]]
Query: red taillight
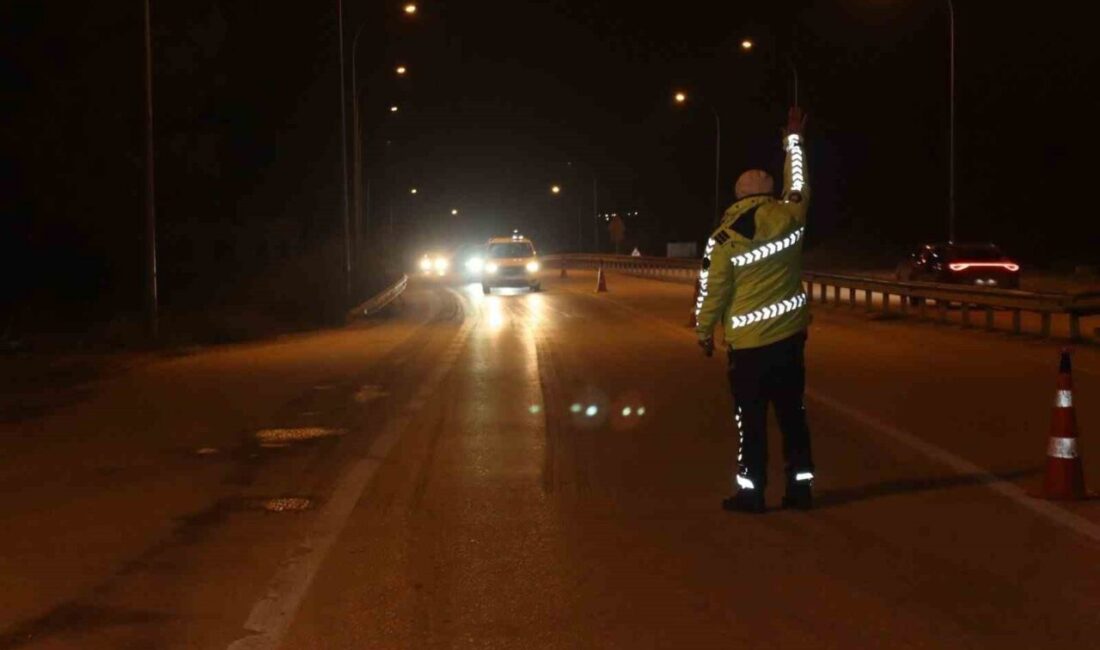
[[962, 266]]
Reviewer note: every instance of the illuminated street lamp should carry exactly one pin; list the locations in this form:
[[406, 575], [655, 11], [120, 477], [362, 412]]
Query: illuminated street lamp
[[401, 70], [747, 46], [454, 212], [393, 109], [410, 8], [413, 191], [555, 189], [681, 98]]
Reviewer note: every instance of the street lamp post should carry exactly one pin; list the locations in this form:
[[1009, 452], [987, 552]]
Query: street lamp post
[[682, 98], [344, 151], [951, 126], [152, 314]]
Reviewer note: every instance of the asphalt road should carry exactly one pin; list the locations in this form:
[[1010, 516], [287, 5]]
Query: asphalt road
[[545, 471]]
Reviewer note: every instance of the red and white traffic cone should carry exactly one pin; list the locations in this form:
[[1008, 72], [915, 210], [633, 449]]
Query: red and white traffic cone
[[601, 283], [1065, 477], [692, 322]]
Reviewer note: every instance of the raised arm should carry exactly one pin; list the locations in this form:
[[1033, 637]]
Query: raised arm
[[796, 185]]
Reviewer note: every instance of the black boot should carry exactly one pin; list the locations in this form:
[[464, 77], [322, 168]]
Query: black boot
[[800, 495], [751, 501]]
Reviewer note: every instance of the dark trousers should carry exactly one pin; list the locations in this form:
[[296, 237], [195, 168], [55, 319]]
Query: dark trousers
[[775, 374]]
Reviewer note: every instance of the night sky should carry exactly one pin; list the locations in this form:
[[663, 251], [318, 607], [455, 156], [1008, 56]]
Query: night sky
[[505, 98]]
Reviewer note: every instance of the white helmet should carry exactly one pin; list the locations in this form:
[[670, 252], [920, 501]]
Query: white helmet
[[752, 182]]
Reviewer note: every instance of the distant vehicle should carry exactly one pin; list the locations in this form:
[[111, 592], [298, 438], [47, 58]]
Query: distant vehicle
[[510, 262], [984, 265], [435, 263]]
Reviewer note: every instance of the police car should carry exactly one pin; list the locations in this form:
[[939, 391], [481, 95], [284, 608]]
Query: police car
[[510, 262]]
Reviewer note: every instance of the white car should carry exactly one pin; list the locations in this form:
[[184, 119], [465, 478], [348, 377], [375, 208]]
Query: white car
[[510, 262]]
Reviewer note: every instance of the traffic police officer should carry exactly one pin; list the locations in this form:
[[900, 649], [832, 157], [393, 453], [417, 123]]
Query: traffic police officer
[[752, 281]]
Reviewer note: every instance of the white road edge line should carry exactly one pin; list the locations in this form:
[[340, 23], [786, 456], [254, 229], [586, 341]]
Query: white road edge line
[[1047, 510], [273, 614]]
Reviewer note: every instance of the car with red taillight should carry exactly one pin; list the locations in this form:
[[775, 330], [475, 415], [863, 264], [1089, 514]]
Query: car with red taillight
[[983, 265]]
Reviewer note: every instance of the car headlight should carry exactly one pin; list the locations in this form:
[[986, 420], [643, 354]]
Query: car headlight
[[475, 264], [491, 267], [532, 267], [440, 264], [425, 264]]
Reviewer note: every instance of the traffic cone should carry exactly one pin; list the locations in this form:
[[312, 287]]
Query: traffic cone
[[692, 322], [601, 283], [1065, 477]]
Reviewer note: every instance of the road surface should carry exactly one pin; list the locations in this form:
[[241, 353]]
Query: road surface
[[545, 471]]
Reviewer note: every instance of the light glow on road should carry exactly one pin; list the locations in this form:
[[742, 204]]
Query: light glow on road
[[496, 315]]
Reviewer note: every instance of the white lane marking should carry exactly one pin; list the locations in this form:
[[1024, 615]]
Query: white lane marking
[[1045, 509], [272, 615]]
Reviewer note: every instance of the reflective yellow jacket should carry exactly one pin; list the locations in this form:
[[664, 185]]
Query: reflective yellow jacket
[[752, 266]]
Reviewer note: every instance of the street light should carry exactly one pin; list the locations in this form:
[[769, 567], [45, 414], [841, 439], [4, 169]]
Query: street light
[[454, 212], [393, 109], [413, 191], [410, 8], [401, 70], [681, 98], [747, 46], [555, 189]]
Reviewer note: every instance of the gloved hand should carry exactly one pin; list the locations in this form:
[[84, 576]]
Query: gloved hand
[[796, 121], [708, 346]]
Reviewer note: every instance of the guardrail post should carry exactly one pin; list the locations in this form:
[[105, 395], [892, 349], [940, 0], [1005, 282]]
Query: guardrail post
[[1074, 327], [965, 311], [904, 304], [1016, 322], [989, 324], [1044, 328], [851, 297], [885, 303], [941, 305], [922, 308], [836, 295], [868, 298]]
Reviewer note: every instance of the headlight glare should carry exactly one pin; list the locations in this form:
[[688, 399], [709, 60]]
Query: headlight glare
[[491, 267], [532, 267], [425, 264]]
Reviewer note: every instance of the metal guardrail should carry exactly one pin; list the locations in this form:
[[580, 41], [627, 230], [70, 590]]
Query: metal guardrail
[[380, 300], [913, 296]]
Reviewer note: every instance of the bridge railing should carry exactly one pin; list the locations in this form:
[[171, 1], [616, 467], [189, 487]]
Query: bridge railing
[[878, 294]]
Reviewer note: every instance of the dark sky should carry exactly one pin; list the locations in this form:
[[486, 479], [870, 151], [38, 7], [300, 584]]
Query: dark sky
[[502, 95]]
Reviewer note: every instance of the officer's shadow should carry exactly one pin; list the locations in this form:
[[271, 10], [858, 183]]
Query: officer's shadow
[[844, 496]]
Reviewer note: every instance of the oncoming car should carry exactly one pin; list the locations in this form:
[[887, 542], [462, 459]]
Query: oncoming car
[[434, 264], [510, 262]]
